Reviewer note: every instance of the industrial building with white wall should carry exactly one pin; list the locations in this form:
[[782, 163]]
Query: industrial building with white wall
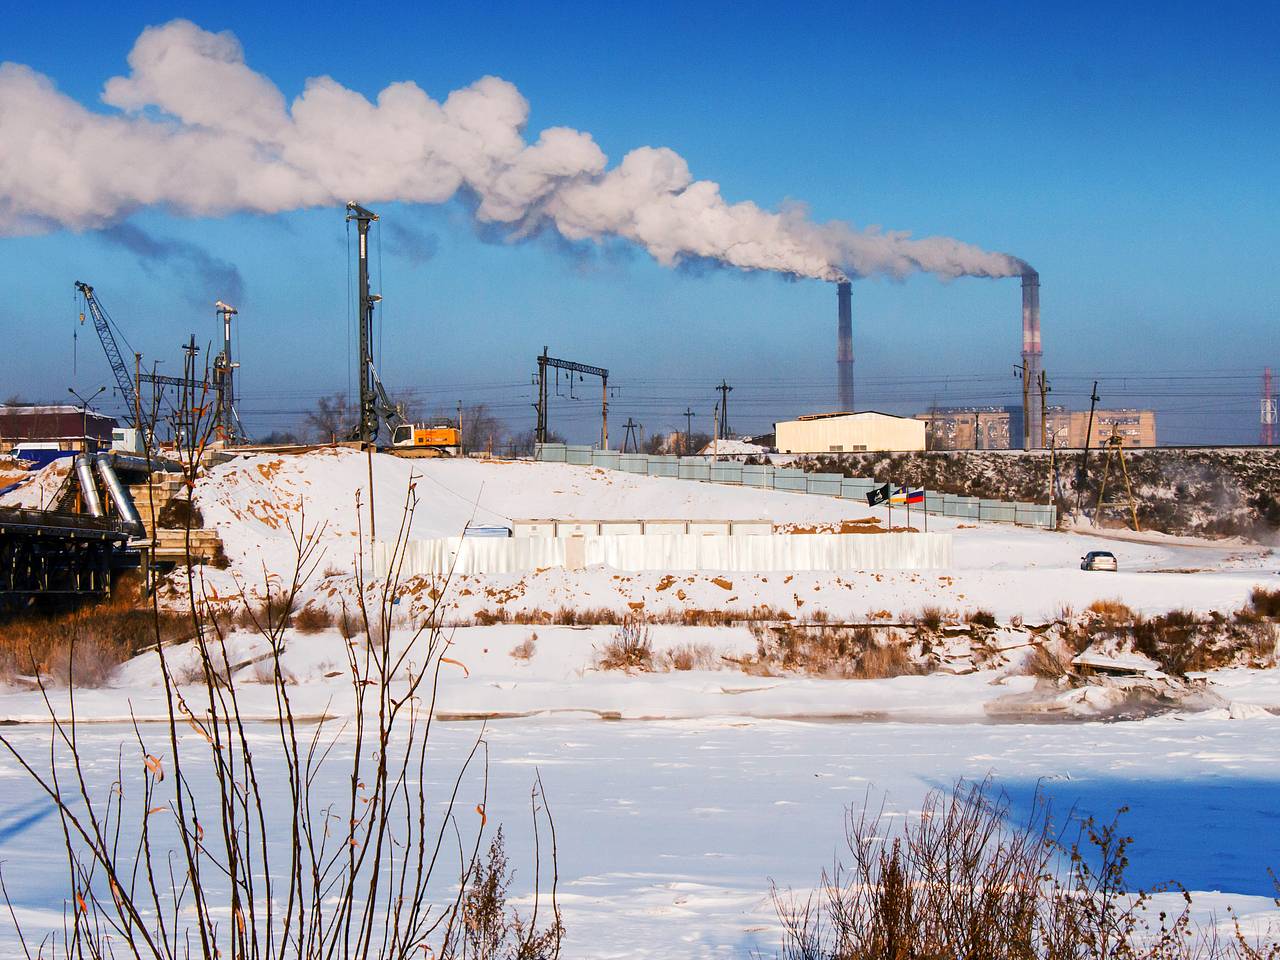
[[849, 432]]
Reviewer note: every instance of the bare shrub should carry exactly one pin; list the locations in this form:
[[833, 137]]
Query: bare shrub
[[526, 648], [929, 618], [1265, 603], [962, 880], [488, 618], [1049, 661], [493, 931], [630, 648], [313, 618], [691, 656], [981, 618]]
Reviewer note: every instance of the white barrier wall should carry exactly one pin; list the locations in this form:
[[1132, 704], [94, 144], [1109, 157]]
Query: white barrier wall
[[776, 552]]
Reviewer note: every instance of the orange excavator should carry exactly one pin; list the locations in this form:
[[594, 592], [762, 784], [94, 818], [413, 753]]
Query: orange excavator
[[426, 440]]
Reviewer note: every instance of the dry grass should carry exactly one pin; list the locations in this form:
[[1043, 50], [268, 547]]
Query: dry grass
[[849, 652], [1111, 612], [631, 648], [83, 646], [313, 619], [526, 648]]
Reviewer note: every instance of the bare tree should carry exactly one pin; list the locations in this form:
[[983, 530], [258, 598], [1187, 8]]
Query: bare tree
[[332, 418]]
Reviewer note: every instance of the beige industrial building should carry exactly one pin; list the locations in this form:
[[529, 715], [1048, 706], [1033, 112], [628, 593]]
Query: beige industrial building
[[1000, 428], [849, 432]]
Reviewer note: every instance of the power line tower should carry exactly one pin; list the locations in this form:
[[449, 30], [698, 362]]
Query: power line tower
[[688, 429], [1115, 449], [1269, 404], [630, 444], [723, 431]]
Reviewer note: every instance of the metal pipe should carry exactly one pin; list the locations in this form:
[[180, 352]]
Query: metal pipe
[[119, 494], [88, 489], [844, 345]]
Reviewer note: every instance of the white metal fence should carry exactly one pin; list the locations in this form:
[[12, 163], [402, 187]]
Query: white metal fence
[[672, 552]]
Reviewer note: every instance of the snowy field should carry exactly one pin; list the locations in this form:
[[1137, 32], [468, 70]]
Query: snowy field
[[680, 795], [670, 832]]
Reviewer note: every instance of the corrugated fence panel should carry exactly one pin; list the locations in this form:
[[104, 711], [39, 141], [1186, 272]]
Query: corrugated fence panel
[[633, 463], [826, 484], [550, 452], [664, 466], [793, 480], [789, 478], [726, 473]]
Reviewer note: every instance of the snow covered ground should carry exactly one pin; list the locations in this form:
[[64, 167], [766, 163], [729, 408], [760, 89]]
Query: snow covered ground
[[670, 832], [710, 782], [1009, 571]]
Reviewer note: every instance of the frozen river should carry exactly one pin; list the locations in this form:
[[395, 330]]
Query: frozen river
[[670, 832]]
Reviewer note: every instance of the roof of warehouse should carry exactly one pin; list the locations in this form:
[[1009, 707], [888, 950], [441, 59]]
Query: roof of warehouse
[[848, 413]]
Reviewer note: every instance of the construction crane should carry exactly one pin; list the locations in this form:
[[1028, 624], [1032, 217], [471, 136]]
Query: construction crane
[[230, 429], [102, 323], [376, 409]]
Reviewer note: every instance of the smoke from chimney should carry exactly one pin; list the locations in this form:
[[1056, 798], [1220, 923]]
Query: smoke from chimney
[[844, 345], [1031, 356], [196, 131]]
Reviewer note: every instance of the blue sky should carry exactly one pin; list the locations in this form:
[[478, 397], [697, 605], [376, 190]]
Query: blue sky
[[1129, 155]]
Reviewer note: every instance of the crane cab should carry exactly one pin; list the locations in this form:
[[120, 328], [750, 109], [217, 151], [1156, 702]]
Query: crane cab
[[426, 440]]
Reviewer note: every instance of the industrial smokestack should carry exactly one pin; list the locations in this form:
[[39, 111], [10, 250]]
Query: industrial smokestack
[[844, 346], [1031, 358]]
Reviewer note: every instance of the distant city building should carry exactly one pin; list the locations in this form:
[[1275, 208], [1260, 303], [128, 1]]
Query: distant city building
[[1000, 428], [58, 427], [849, 432]]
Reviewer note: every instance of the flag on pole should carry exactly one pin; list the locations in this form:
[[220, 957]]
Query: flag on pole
[[878, 495], [903, 495]]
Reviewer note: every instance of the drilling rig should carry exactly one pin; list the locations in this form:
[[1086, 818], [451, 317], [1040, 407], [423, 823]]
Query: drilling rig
[[376, 409]]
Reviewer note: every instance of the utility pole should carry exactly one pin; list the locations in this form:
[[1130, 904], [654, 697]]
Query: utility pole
[[1020, 371], [722, 432], [1083, 475], [688, 429], [1044, 409], [461, 447]]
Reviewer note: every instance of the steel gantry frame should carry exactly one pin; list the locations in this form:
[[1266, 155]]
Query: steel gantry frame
[[583, 369]]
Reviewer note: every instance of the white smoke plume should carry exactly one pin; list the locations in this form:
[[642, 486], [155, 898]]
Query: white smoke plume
[[193, 129]]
